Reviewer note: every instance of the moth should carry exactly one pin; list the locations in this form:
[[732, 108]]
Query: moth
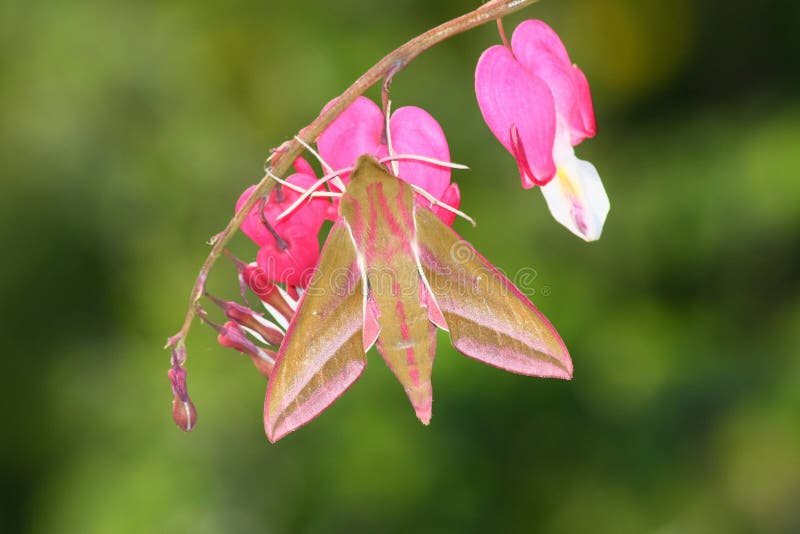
[[391, 273]]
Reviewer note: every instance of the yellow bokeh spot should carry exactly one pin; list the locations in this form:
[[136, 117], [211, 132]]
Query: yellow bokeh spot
[[628, 47]]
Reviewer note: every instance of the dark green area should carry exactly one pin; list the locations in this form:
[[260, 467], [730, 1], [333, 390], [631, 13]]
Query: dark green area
[[129, 130]]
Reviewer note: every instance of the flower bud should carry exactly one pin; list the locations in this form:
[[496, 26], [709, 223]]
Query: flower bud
[[231, 335], [255, 322], [262, 366], [259, 283], [183, 411]]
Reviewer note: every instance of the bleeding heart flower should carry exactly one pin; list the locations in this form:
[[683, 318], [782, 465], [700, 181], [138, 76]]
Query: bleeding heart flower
[[289, 247], [310, 215], [538, 105], [292, 260], [360, 129]]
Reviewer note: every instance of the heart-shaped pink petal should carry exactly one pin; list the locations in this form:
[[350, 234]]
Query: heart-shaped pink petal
[[309, 215], [451, 197], [509, 95], [415, 131], [295, 264], [358, 130], [540, 51]]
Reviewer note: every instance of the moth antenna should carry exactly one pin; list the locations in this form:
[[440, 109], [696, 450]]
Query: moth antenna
[[337, 181], [387, 115], [308, 192], [425, 159], [314, 153], [284, 183], [298, 189], [436, 202]]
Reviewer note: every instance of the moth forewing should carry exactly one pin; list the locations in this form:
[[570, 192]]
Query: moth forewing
[[322, 353], [489, 318]]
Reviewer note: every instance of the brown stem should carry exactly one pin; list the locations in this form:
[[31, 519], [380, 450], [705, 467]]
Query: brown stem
[[290, 150]]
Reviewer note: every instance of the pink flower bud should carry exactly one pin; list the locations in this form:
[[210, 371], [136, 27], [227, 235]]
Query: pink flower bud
[[231, 335], [183, 411], [246, 317], [292, 292], [257, 280], [264, 367]]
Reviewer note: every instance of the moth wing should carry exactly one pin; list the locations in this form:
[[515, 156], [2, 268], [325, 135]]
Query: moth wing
[[322, 353], [489, 319]]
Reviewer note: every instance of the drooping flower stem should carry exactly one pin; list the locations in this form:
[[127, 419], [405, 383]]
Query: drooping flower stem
[[502, 31], [283, 158]]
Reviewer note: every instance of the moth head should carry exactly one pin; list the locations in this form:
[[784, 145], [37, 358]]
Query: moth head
[[367, 167]]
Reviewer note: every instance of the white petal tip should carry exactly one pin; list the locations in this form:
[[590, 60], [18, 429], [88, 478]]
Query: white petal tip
[[576, 198]]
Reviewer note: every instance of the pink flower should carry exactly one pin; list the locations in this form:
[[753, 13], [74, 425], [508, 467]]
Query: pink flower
[[360, 129], [292, 260], [451, 197], [310, 215], [538, 104], [289, 247]]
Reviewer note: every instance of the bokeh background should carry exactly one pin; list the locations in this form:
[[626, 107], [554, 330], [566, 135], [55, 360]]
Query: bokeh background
[[129, 130]]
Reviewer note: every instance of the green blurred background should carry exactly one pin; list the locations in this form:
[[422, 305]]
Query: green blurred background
[[129, 130]]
